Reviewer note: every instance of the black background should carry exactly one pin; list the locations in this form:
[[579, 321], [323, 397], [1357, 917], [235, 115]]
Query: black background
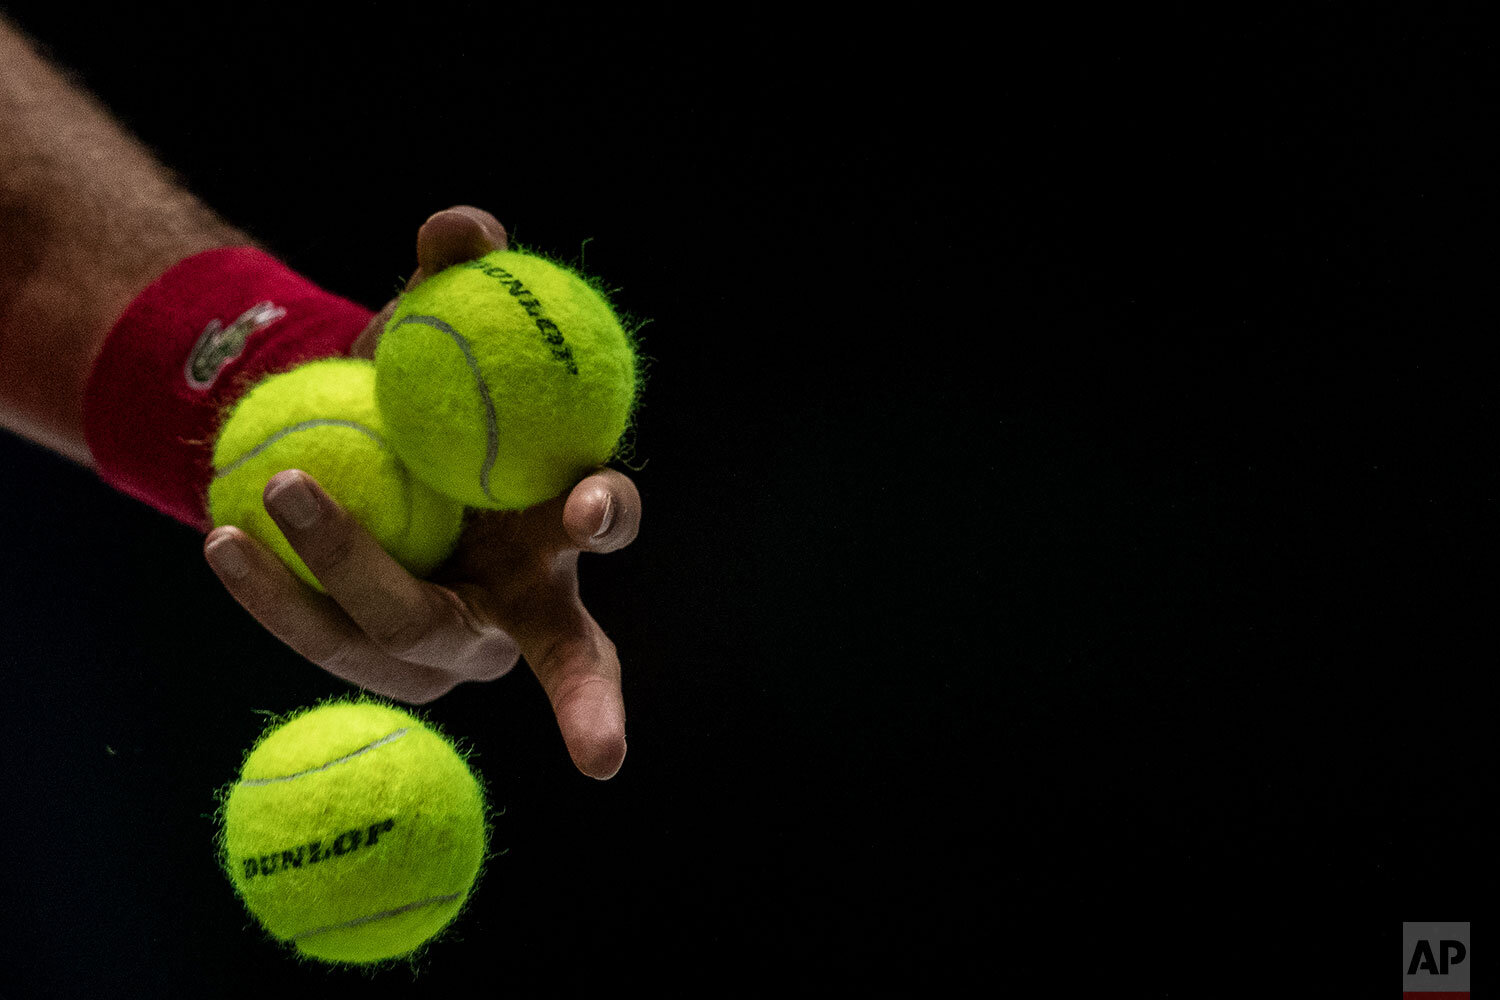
[[1065, 462]]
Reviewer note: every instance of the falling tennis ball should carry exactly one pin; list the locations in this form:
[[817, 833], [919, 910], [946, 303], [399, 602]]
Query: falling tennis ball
[[504, 380], [321, 418], [355, 832]]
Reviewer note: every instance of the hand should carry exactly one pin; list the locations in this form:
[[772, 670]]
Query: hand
[[509, 590]]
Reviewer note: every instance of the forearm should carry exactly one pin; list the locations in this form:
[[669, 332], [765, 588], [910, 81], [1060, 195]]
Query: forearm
[[88, 218]]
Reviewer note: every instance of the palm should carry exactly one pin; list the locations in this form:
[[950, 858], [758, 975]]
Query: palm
[[509, 590]]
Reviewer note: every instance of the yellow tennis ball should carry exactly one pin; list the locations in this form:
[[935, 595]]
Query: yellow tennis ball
[[355, 832], [321, 418], [503, 380]]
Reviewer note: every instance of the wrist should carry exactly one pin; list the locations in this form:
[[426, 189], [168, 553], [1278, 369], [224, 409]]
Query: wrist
[[183, 351]]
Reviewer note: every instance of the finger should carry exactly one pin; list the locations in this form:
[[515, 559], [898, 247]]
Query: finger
[[453, 236], [402, 616], [310, 623], [601, 514], [579, 669], [449, 237]]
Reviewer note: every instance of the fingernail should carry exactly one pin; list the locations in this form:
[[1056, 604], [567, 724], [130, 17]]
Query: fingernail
[[609, 518], [225, 556], [294, 502]]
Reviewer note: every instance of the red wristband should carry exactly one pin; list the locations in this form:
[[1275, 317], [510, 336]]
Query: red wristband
[[189, 346]]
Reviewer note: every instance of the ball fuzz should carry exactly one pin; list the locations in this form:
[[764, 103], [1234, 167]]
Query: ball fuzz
[[321, 418], [503, 380], [354, 832]]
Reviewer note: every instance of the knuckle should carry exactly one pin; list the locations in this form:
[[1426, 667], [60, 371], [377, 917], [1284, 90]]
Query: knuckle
[[574, 651], [336, 553], [492, 657], [422, 685], [405, 637], [335, 655], [408, 634], [568, 687]]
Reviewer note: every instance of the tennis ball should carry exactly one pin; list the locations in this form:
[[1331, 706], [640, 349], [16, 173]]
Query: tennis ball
[[321, 418], [355, 832], [503, 380]]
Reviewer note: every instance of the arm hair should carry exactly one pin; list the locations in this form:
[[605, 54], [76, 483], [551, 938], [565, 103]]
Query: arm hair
[[88, 219]]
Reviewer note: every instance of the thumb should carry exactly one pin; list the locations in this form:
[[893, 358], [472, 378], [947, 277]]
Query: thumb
[[449, 237]]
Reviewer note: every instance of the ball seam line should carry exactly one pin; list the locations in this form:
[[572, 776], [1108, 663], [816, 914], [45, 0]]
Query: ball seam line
[[409, 506], [384, 915], [491, 428], [294, 428], [388, 738]]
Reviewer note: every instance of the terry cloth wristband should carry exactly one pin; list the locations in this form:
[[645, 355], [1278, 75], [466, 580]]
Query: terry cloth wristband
[[188, 347]]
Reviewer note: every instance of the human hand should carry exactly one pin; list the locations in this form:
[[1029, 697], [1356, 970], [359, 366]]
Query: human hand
[[510, 589]]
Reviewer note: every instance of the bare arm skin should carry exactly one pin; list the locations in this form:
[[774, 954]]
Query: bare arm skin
[[88, 218]]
